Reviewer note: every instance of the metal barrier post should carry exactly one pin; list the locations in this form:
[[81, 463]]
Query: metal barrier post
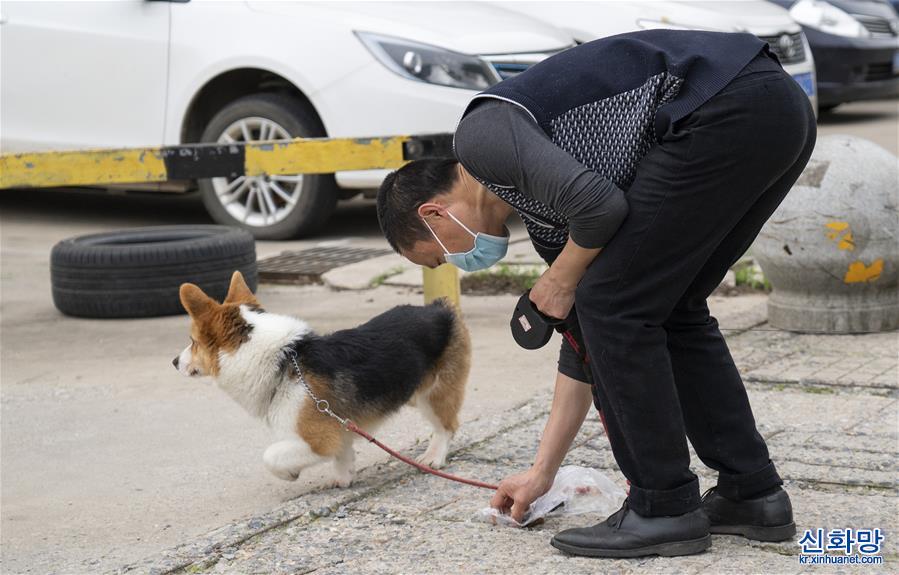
[[442, 282]]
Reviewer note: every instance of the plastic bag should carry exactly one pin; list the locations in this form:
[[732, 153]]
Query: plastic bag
[[575, 490]]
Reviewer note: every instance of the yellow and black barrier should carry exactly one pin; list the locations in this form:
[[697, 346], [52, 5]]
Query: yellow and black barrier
[[194, 161]]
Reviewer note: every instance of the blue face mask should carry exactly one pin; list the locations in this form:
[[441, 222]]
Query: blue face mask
[[487, 250]]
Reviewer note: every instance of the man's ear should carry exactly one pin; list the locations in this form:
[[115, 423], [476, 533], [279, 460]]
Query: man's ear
[[431, 209], [239, 291], [195, 301]]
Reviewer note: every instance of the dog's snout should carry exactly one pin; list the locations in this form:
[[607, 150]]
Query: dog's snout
[[175, 362]]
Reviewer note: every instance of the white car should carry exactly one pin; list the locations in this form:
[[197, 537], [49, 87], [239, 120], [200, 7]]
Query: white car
[[586, 21], [149, 73]]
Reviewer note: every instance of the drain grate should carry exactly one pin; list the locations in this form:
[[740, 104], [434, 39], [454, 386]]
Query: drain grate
[[307, 266]]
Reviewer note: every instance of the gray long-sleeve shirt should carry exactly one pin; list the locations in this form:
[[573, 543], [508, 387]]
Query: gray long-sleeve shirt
[[499, 142]]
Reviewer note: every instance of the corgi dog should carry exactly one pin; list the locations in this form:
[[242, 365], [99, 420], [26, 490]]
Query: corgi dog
[[416, 355]]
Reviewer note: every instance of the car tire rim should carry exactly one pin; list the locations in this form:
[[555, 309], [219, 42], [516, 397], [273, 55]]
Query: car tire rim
[[257, 201]]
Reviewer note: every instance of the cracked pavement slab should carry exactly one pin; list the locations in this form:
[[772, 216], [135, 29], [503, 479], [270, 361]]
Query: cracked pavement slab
[[844, 361]]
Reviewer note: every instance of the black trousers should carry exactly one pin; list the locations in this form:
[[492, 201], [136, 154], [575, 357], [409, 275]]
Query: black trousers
[[662, 371]]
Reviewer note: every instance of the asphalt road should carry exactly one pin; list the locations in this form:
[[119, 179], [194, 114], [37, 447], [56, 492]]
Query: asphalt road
[[109, 455]]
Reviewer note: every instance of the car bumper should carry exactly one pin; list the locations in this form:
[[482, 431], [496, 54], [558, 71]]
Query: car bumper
[[832, 94], [850, 69]]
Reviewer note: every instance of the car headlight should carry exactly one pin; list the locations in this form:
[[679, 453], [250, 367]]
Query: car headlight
[[430, 64], [827, 18]]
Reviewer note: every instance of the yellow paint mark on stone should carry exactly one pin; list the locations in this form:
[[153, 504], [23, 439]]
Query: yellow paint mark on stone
[[840, 233], [846, 242], [858, 272]]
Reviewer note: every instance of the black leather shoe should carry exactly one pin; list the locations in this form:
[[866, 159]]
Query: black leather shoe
[[765, 518], [626, 534]]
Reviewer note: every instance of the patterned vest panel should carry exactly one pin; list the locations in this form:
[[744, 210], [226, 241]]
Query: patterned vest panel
[[608, 136]]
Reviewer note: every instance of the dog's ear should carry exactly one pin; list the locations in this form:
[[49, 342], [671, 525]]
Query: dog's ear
[[239, 291], [195, 301]]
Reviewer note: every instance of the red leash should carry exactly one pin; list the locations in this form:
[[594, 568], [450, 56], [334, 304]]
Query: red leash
[[355, 429], [349, 425], [324, 407]]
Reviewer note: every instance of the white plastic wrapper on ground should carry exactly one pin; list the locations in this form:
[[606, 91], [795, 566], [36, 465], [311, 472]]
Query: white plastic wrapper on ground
[[575, 490]]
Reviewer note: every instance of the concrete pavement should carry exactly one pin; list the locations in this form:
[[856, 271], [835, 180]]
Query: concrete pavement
[[877, 120], [832, 433]]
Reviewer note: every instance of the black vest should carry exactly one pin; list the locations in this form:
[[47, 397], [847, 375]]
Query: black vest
[[608, 101]]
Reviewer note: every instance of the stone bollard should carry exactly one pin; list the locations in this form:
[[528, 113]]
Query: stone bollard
[[831, 249]]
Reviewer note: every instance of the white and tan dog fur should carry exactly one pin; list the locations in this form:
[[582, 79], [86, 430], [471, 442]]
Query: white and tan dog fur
[[418, 355]]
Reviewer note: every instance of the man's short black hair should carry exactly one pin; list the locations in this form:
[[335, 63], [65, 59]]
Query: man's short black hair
[[403, 191]]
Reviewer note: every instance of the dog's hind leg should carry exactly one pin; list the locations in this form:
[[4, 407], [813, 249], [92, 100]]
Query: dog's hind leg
[[438, 447], [287, 458], [443, 400]]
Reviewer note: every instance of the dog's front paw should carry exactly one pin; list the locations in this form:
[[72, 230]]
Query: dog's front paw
[[286, 459]]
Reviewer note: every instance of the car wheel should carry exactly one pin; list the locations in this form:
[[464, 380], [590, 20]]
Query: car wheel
[[273, 207], [138, 272]]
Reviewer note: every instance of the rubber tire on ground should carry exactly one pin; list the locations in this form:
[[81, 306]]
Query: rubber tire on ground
[[319, 194], [138, 272]]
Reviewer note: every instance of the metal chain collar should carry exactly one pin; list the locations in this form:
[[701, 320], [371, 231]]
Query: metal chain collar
[[321, 405]]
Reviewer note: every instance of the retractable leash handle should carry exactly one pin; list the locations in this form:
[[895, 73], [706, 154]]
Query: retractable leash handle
[[532, 329]]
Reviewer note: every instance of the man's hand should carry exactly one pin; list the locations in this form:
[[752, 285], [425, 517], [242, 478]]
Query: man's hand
[[552, 296], [571, 401], [517, 492]]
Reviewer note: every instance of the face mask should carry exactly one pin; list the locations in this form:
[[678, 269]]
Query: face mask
[[487, 249]]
